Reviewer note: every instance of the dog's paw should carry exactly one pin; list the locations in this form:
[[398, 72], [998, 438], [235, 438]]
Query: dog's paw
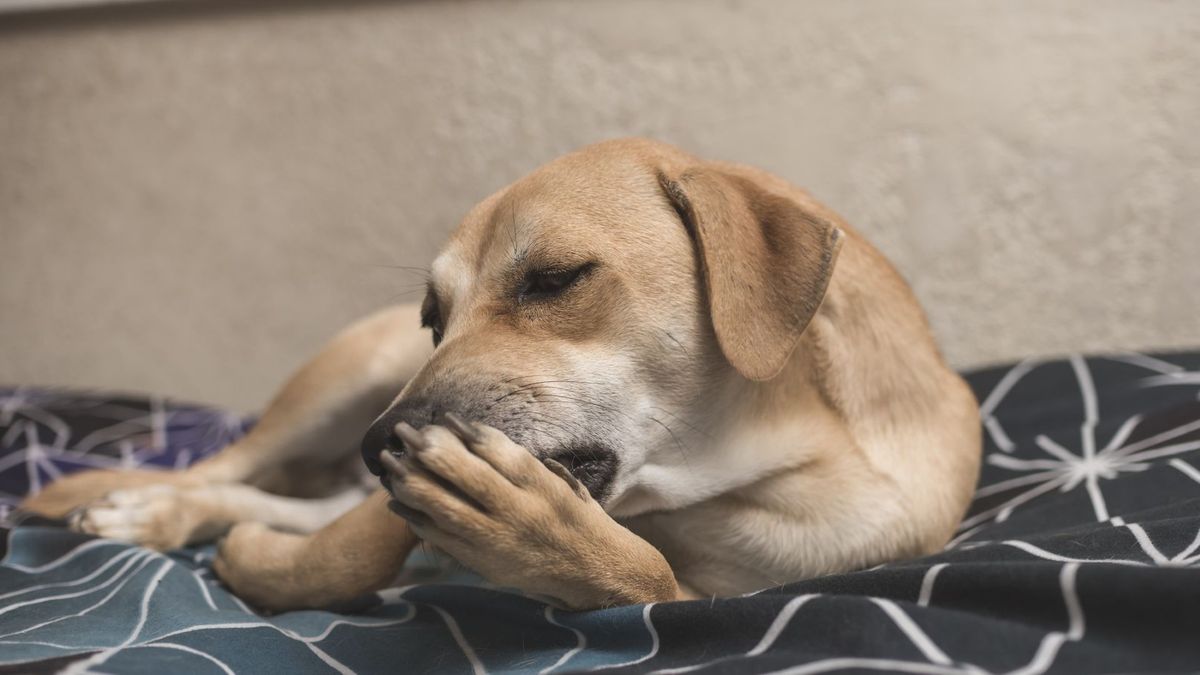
[[517, 520], [154, 516], [78, 490]]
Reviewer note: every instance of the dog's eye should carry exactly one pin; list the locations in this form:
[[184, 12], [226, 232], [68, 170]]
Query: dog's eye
[[431, 317], [544, 284], [434, 324]]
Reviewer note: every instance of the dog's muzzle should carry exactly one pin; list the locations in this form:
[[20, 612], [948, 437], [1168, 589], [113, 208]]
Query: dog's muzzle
[[381, 435], [594, 465], [377, 438]]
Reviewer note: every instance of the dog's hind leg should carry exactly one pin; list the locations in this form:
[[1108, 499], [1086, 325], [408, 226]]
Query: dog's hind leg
[[310, 431]]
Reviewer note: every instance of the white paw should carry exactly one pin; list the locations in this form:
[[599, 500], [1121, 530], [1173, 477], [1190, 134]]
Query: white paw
[[155, 516]]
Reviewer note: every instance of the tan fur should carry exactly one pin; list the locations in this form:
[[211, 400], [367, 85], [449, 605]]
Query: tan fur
[[781, 407]]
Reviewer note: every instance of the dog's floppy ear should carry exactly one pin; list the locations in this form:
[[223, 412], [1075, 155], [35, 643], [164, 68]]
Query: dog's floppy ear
[[766, 261]]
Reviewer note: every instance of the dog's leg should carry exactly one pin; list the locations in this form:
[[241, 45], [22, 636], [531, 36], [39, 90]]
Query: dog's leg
[[358, 553], [479, 497], [320, 414], [521, 521], [323, 410], [164, 516]]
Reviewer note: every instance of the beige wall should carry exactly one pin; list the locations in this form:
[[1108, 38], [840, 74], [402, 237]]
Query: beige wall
[[193, 197]]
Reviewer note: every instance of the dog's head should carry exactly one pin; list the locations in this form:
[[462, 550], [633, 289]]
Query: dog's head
[[593, 310]]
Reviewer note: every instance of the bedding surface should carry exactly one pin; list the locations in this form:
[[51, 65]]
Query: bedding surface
[[1080, 554]]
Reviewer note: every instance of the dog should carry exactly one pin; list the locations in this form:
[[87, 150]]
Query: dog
[[651, 377]]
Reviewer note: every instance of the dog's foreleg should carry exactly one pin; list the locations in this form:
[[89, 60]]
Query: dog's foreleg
[[520, 521], [164, 516], [358, 553], [326, 406], [320, 413]]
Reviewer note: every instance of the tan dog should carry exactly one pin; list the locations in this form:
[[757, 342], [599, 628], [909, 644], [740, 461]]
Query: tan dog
[[738, 410]]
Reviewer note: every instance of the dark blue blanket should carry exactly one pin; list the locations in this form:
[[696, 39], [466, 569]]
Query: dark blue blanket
[[1080, 554]]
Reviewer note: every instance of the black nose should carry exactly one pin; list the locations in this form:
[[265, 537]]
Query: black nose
[[382, 435]]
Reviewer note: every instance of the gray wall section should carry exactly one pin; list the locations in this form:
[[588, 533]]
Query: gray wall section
[[194, 197]]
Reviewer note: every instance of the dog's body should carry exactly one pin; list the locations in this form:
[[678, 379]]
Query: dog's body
[[675, 331]]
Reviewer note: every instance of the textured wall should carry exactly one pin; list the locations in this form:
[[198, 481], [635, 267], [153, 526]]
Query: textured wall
[[193, 197]]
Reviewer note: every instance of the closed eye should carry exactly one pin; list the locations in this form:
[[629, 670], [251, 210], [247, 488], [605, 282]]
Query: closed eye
[[435, 327], [431, 317], [547, 284]]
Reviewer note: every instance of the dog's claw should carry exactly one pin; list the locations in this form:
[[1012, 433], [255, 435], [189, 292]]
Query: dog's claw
[[561, 471], [411, 438], [461, 428], [393, 465]]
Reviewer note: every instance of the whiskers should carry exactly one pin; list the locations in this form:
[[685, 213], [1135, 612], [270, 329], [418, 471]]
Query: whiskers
[[551, 390], [422, 271], [413, 285]]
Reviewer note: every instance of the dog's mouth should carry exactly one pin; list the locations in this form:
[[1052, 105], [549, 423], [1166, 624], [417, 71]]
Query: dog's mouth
[[595, 466]]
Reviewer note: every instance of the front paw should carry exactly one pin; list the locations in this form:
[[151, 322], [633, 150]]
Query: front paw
[[159, 517], [470, 491], [69, 493]]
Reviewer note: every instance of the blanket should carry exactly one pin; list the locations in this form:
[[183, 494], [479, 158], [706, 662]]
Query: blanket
[[1080, 553]]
